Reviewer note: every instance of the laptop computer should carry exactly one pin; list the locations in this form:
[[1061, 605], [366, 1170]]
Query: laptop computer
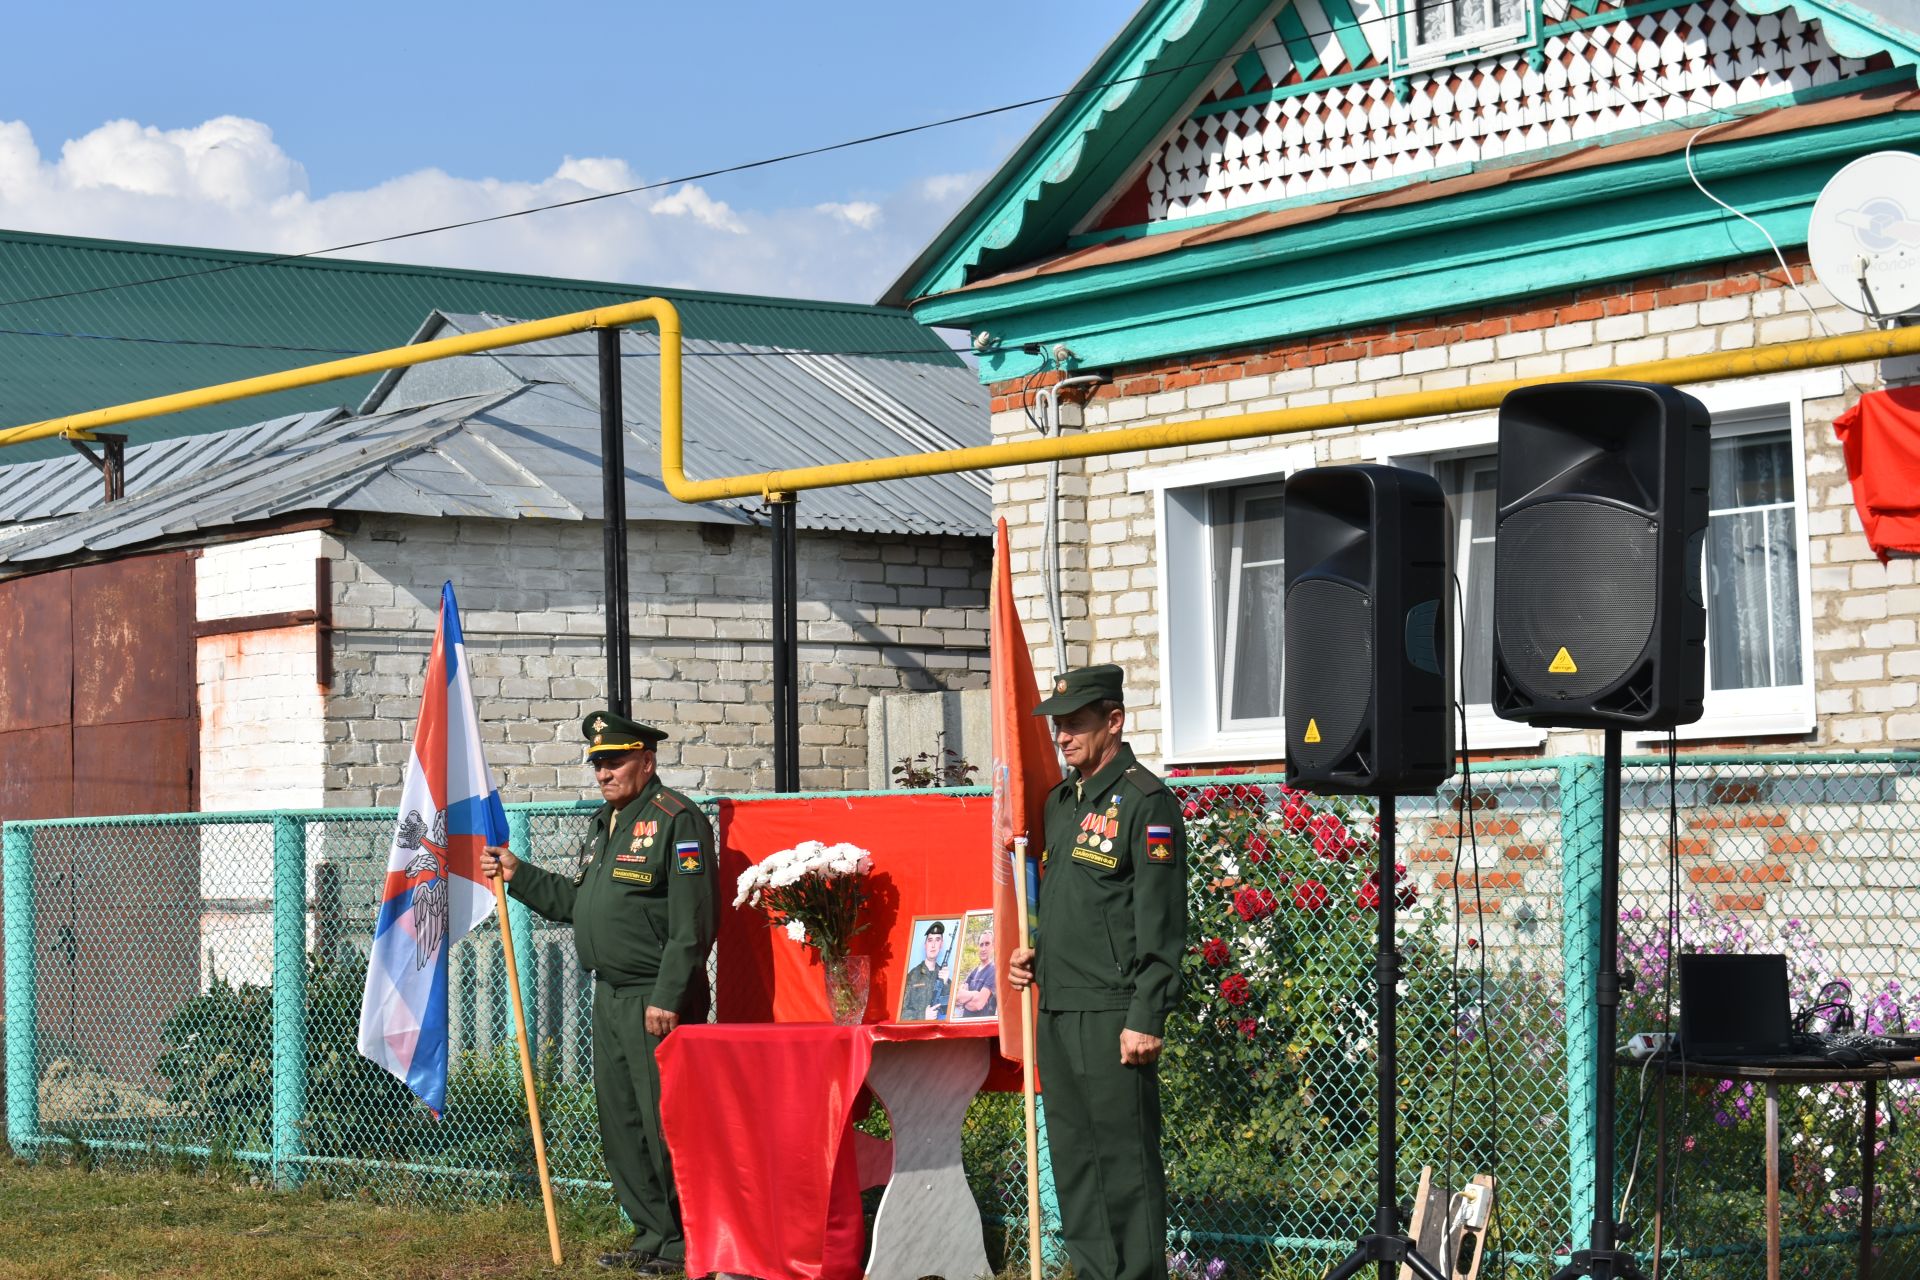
[[1734, 1008]]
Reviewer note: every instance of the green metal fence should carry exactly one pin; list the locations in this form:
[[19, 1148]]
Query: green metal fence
[[210, 1013]]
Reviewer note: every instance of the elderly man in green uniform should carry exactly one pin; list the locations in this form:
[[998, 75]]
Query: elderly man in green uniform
[[1112, 929], [644, 913]]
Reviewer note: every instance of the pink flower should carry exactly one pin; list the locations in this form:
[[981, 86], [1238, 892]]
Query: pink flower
[[1214, 952], [1310, 895], [1235, 989]]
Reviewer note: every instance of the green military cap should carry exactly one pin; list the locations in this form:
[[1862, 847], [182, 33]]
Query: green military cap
[[608, 731], [1076, 689]]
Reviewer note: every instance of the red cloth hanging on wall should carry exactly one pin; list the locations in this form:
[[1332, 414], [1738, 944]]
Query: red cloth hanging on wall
[[1880, 439]]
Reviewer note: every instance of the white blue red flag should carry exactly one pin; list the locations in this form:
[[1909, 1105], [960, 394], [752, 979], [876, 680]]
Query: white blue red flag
[[434, 893]]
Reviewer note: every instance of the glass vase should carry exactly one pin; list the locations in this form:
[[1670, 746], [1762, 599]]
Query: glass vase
[[848, 978]]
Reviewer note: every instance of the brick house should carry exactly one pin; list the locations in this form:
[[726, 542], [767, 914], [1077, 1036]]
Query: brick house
[[1314, 202], [1254, 206]]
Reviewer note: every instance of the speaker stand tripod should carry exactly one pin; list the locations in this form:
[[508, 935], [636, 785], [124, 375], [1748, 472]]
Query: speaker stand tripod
[[1387, 1244], [1601, 1260]]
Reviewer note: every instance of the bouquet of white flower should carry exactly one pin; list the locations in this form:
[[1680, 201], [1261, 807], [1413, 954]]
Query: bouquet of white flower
[[814, 891]]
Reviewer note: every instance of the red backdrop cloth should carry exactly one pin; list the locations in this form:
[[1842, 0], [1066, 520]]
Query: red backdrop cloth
[[759, 1120], [932, 856], [1880, 439]]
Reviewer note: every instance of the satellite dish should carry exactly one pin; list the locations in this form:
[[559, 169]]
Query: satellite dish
[[1864, 239]]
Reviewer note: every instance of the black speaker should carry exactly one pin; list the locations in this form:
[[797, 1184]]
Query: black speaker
[[1368, 672], [1598, 617]]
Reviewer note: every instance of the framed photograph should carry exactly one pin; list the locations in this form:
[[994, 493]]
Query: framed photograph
[[927, 988], [973, 995]]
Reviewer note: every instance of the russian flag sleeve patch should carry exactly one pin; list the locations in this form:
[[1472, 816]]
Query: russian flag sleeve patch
[[1159, 844]]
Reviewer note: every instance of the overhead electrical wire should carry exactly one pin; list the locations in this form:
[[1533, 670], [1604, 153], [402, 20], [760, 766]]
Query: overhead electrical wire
[[742, 167]]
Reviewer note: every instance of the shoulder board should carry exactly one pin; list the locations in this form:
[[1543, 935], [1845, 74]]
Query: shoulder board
[[668, 802], [1143, 780]]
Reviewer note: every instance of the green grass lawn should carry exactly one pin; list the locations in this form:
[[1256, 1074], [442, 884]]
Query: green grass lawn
[[62, 1221]]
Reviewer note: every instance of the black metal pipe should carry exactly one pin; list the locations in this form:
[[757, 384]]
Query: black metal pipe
[[1386, 969], [785, 764], [613, 494], [792, 621]]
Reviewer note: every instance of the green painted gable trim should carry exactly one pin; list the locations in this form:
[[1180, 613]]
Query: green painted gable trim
[[211, 324], [1346, 29], [1080, 152], [1077, 156], [1306, 57], [1374, 267]]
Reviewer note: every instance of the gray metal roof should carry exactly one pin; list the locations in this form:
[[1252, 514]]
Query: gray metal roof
[[515, 435]]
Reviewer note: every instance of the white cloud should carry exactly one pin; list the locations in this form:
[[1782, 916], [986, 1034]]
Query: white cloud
[[227, 183], [861, 213]]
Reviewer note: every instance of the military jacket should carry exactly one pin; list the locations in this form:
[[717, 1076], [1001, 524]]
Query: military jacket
[[643, 907], [1113, 896]]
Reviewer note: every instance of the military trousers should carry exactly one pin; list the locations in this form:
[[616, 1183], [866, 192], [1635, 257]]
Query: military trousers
[[1103, 1127], [626, 1086]]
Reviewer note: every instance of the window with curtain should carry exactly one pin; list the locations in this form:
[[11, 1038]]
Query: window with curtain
[[1470, 486], [1248, 571], [1433, 29], [1752, 570]]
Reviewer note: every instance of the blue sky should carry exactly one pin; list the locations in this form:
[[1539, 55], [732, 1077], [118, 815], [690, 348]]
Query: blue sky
[[282, 128]]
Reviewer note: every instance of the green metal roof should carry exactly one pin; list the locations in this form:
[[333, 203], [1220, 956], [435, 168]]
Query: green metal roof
[[228, 315]]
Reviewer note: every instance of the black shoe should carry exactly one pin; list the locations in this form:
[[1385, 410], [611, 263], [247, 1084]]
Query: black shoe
[[657, 1266], [629, 1259]]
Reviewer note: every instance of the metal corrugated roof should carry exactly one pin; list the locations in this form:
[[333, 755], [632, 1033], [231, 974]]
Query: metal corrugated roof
[[525, 443], [70, 353]]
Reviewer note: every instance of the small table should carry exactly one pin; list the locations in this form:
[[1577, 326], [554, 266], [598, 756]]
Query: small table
[[759, 1120], [1870, 1074]]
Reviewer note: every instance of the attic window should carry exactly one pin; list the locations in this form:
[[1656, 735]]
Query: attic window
[[1434, 33]]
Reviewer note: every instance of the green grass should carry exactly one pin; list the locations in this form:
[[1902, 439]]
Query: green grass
[[63, 1220]]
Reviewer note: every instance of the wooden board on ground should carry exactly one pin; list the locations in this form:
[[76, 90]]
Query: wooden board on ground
[[1460, 1258]]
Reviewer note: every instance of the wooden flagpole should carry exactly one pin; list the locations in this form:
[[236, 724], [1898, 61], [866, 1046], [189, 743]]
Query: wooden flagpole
[[526, 1071], [1027, 1003]]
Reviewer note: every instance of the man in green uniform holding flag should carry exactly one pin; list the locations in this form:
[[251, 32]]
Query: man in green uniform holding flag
[[644, 913], [1111, 933]]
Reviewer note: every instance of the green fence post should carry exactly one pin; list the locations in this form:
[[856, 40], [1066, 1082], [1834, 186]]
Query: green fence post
[[289, 995], [520, 920], [1581, 797], [23, 1015]]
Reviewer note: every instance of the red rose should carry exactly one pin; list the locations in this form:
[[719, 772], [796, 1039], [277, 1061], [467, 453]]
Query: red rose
[[1190, 810], [1249, 1027], [1310, 895], [1214, 952], [1254, 904], [1256, 849], [1235, 989], [1331, 837], [1404, 891], [1295, 809]]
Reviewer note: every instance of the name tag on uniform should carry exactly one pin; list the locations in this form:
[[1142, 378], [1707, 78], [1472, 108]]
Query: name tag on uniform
[[631, 876], [1106, 861], [1159, 844]]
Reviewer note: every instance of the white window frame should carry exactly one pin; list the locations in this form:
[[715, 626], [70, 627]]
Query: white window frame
[[1421, 449], [1738, 408], [1410, 55], [1192, 731]]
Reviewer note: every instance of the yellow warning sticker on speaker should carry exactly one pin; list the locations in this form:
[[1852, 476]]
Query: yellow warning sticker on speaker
[[1313, 732], [1562, 664]]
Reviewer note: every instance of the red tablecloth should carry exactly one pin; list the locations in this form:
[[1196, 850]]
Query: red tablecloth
[[759, 1120]]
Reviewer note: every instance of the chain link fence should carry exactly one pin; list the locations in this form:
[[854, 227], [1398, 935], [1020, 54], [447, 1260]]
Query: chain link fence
[[165, 1002]]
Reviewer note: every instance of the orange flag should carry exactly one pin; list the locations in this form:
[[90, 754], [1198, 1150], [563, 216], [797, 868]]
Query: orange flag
[[1025, 768]]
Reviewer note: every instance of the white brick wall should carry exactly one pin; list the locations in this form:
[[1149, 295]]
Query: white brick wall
[[877, 615], [1865, 614]]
